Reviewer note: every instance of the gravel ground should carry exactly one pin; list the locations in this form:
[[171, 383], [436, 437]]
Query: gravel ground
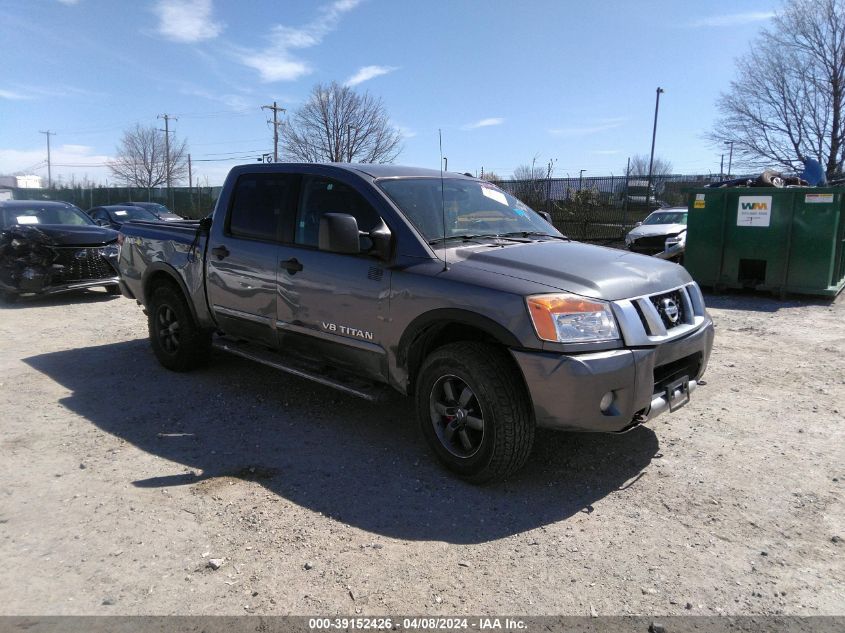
[[120, 482]]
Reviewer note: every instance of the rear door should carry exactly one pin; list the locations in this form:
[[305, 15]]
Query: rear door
[[333, 306], [242, 260]]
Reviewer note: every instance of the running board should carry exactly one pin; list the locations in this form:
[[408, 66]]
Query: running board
[[337, 380]]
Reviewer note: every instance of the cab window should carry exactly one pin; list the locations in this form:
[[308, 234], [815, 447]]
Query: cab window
[[322, 195], [259, 204]]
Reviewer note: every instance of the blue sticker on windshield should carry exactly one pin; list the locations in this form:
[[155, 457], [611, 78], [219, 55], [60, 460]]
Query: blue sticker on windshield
[[519, 212]]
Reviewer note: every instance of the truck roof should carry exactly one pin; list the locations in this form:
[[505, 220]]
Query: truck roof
[[369, 169]]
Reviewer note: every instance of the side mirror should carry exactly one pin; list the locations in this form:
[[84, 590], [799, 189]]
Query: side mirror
[[546, 216], [381, 238], [339, 234], [102, 222], [638, 224]]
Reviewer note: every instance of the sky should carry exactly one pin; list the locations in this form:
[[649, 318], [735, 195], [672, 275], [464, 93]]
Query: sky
[[506, 83]]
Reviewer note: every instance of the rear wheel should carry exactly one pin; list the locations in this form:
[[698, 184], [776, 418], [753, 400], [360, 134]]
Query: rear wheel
[[474, 411], [177, 341]]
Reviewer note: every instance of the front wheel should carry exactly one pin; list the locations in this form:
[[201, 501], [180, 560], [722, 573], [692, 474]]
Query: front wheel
[[474, 411], [177, 341]]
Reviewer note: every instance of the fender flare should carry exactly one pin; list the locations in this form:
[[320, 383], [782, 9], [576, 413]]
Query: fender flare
[[446, 316], [173, 274]]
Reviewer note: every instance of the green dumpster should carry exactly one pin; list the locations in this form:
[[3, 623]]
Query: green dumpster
[[781, 240]]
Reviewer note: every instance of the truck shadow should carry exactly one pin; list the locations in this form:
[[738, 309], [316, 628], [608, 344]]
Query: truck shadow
[[360, 463]]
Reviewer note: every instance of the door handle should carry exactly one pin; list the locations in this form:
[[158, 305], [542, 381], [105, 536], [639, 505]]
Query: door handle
[[220, 251], [291, 265]]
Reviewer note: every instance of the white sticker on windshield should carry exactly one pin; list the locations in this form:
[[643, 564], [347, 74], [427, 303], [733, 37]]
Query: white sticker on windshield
[[120, 212], [27, 219], [498, 196]]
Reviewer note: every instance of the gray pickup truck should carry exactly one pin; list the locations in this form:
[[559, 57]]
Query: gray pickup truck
[[442, 287]]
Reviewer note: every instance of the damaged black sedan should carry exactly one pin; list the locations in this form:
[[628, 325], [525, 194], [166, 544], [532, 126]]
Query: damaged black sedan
[[51, 247]]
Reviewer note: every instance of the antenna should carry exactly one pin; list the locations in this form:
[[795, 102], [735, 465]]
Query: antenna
[[442, 198]]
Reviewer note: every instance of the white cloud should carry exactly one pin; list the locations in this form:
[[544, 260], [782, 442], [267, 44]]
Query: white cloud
[[369, 72], [277, 62], [406, 132], [187, 20], [69, 161], [12, 95], [483, 123], [733, 19], [586, 130]]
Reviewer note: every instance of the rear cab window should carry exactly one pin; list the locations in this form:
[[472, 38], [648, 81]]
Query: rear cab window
[[261, 203]]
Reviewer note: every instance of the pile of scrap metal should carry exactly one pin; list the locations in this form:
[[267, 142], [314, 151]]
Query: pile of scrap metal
[[812, 176]]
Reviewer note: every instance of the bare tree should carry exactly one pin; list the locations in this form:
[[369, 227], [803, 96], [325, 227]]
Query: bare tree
[[142, 158], [337, 124], [639, 166], [788, 100], [531, 184]]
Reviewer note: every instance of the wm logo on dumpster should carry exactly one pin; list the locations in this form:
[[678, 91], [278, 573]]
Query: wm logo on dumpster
[[754, 211], [753, 206]]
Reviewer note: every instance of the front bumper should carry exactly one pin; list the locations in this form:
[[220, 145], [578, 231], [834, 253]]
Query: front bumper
[[59, 288], [566, 389]]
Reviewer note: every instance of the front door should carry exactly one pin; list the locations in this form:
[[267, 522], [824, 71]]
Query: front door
[[333, 305], [242, 259]]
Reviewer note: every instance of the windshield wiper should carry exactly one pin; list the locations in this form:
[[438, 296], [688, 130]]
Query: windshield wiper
[[537, 233], [474, 236]]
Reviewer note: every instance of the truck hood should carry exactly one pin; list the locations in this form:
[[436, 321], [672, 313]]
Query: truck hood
[[591, 271], [647, 230], [65, 234]]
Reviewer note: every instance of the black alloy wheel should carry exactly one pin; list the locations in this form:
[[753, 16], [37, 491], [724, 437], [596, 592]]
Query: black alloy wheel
[[457, 416]]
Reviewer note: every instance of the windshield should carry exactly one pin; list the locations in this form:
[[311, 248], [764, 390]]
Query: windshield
[[471, 208], [35, 214], [667, 217], [131, 213]]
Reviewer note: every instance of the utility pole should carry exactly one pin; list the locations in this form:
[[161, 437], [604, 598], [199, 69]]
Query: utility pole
[[276, 109], [445, 163], [166, 130], [722, 168], [48, 134], [730, 156], [653, 138], [190, 184]]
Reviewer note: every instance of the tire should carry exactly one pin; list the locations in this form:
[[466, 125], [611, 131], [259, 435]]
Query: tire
[[180, 348], [482, 435], [113, 289]]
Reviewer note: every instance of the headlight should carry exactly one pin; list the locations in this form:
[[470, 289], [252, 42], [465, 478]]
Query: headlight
[[676, 240], [565, 318]]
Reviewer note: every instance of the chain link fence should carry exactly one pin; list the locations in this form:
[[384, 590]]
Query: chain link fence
[[189, 202], [604, 209]]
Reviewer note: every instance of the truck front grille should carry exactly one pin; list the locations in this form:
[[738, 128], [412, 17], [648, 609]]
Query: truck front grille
[[652, 319]]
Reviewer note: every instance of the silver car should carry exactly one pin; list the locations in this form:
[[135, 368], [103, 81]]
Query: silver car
[[662, 234]]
